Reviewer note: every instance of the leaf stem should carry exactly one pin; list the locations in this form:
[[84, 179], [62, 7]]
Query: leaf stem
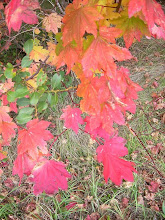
[[55, 139], [62, 90]]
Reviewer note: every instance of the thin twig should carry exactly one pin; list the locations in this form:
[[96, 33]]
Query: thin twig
[[106, 6], [55, 139], [154, 129], [119, 5], [140, 141], [59, 6], [69, 94], [38, 70]]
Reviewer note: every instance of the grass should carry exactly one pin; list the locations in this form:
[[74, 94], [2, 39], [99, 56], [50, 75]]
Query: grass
[[87, 187]]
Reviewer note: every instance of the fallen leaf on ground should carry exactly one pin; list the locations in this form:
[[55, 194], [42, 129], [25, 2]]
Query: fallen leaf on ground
[[140, 200]]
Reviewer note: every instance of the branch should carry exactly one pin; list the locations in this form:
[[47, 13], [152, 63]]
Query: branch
[[119, 5], [149, 122], [40, 67], [62, 90], [59, 6], [106, 6]]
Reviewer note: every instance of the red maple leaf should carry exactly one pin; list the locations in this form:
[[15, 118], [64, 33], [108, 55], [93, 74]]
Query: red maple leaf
[[96, 131], [49, 176], [6, 125], [131, 28], [72, 117], [13, 105], [7, 131], [18, 11], [69, 56], [153, 14], [4, 115], [23, 165], [79, 18], [115, 168], [33, 137], [100, 47]]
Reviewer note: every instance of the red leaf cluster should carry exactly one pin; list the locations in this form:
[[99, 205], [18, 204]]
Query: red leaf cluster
[[47, 175], [18, 11]]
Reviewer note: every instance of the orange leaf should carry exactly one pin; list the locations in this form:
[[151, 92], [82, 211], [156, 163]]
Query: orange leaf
[[69, 56], [79, 19], [52, 22], [101, 55], [7, 131], [33, 137]]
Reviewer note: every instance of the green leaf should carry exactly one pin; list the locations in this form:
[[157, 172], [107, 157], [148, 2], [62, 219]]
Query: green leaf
[[2, 78], [28, 46], [11, 96], [24, 74], [23, 118], [24, 115], [43, 97], [21, 92], [34, 98], [163, 207], [26, 62], [1, 71], [49, 98], [17, 79], [42, 106], [41, 78], [23, 102], [56, 80], [26, 110], [9, 74], [54, 100]]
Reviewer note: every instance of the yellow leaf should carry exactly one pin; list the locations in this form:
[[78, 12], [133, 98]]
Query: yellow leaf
[[32, 83], [107, 8], [38, 53], [52, 54], [37, 31], [132, 28]]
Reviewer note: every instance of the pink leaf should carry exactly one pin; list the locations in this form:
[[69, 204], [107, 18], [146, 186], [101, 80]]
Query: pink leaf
[[1, 171], [23, 165], [72, 117], [49, 176], [153, 14], [71, 205], [3, 114], [16, 12], [7, 131], [115, 168], [13, 105]]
